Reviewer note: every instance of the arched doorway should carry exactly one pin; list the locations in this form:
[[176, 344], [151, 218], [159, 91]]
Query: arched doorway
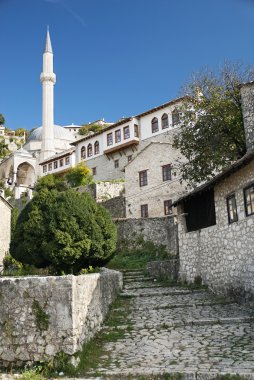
[[25, 175]]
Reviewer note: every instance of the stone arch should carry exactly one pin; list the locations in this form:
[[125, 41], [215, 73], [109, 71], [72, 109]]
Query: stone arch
[[25, 174]]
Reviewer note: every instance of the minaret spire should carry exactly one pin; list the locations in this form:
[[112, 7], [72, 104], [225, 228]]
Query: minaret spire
[[48, 80], [48, 46]]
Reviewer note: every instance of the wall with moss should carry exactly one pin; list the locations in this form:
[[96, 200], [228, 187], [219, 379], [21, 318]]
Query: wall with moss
[[42, 316]]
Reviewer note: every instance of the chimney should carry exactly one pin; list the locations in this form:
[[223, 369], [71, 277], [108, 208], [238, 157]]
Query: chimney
[[247, 96]]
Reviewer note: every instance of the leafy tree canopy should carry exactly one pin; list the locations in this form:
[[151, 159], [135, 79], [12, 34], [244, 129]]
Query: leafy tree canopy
[[2, 119], [4, 150], [66, 231], [87, 128], [51, 182], [79, 175], [21, 131], [212, 130]]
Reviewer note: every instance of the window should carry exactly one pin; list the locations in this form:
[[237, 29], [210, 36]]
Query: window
[[67, 160], [143, 178], [129, 158], [232, 209], [109, 139], [136, 131], [55, 164], [155, 125], [168, 207], [83, 152], [175, 117], [61, 162], [96, 147], [116, 163], [166, 172], [94, 171], [249, 200], [144, 211], [118, 136], [44, 168], [164, 121], [50, 166], [89, 150], [126, 132]]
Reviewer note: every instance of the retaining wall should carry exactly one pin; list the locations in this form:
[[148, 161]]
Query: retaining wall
[[41, 316], [161, 231]]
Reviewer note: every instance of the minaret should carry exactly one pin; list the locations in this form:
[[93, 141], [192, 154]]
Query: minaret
[[48, 79]]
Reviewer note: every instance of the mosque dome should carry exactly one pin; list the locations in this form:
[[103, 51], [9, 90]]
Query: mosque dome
[[60, 133]]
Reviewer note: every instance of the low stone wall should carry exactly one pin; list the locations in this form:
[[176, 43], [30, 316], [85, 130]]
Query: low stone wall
[[223, 256], [167, 269], [161, 231], [41, 316]]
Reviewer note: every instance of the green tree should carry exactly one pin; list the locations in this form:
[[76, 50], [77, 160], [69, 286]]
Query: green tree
[[212, 131], [87, 128], [80, 175], [2, 119], [51, 182], [4, 151], [21, 131], [66, 231]]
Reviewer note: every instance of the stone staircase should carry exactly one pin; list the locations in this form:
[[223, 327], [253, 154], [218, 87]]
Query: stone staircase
[[166, 331]]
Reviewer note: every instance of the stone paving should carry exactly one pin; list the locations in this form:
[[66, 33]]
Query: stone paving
[[170, 330]]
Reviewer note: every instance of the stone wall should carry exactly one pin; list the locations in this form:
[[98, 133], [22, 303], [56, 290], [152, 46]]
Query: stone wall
[[41, 316], [103, 191], [166, 269], [158, 230], [5, 230], [116, 207], [222, 255]]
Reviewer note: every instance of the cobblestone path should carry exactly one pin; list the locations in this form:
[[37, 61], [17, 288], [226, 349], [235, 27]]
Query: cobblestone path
[[172, 329]]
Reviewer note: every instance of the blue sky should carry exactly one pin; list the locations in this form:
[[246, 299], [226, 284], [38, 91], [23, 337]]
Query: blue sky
[[114, 58]]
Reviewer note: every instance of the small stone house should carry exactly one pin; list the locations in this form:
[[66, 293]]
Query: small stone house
[[5, 230], [152, 181], [216, 223]]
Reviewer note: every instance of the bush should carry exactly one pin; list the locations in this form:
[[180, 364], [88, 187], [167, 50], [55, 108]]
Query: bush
[[65, 230]]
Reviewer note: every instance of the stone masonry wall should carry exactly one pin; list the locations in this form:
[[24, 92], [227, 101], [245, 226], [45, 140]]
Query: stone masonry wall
[[116, 207], [5, 230], [223, 255], [103, 191], [41, 316], [158, 230]]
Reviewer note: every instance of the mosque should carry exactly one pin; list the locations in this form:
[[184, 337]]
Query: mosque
[[20, 169]]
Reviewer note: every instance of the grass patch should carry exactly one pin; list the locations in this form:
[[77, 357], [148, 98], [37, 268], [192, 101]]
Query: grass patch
[[136, 253]]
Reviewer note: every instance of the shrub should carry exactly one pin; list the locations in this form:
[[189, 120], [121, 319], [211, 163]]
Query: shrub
[[65, 230]]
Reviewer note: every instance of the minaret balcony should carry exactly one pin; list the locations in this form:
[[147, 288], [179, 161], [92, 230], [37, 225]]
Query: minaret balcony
[[48, 77]]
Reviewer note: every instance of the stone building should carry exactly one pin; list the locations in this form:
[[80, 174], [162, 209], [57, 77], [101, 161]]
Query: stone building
[[216, 222], [107, 152], [152, 181], [5, 230]]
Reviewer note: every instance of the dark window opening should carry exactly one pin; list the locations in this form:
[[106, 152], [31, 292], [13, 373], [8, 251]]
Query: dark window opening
[[116, 164], [144, 211], [143, 178], [175, 117], [155, 125], [232, 209], [164, 121], [166, 172], [168, 207], [200, 211], [249, 200]]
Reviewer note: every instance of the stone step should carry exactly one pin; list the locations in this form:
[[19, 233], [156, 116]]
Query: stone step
[[155, 373], [158, 291], [140, 285], [134, 279], [180, 324]]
